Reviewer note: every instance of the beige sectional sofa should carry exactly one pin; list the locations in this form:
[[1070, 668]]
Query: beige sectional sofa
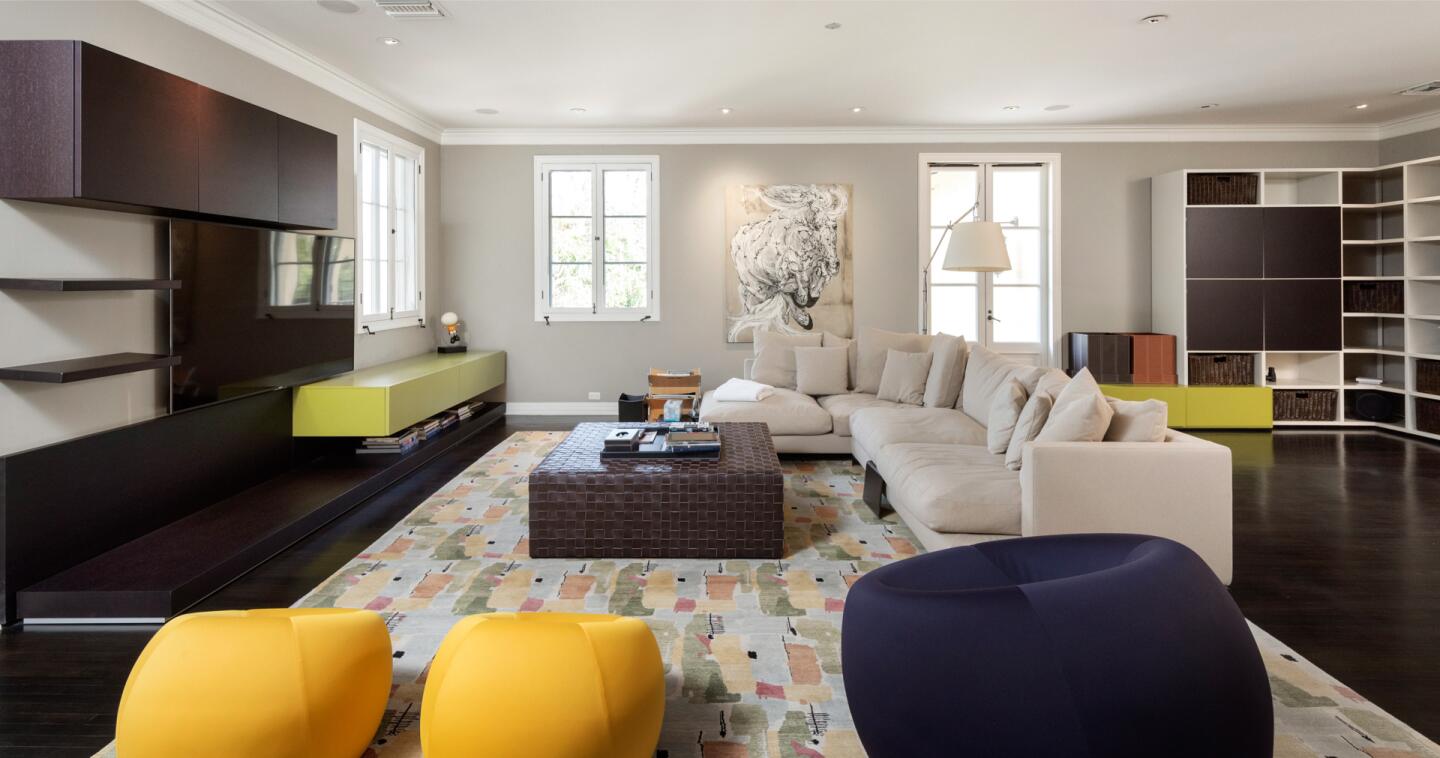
[[941, 479]]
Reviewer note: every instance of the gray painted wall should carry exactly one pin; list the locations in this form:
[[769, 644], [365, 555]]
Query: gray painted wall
[[1410, 147], [40, 240], [487, 219]]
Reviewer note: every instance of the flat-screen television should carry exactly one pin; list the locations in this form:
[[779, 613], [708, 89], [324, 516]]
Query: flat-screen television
[[257, 309]]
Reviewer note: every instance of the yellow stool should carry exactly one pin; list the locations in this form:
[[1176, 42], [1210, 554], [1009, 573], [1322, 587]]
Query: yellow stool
[[299, 683], [516, 685]]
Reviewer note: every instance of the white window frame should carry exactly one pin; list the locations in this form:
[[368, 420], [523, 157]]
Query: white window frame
[[378, 322], [1050, 337], [544, 164]]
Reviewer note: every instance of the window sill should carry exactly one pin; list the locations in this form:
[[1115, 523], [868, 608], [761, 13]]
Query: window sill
[[616, 318], [385, 325]]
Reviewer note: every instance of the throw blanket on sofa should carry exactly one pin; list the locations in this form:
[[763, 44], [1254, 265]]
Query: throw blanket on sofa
[[742, 391]]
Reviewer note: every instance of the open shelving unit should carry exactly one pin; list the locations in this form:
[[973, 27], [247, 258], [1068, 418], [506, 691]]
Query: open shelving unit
[[86, 284], [1389, 234]]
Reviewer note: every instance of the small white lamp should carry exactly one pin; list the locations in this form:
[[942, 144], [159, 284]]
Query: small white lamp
[[454, 341]]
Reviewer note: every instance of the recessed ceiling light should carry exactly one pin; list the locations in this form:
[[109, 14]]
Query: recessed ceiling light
[[338, 6], [1361, 106], [1056, 107], [725, 111], [857, 109], [577, 109], [388, 41], [833, 25], [1208, 106], [1011, 108], [1158, 18], [487, 111]]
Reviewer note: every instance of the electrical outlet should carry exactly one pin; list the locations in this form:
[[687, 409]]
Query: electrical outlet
[[594, 395]]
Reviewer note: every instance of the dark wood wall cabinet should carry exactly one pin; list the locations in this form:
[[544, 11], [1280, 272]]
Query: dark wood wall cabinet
[[80, 125], [1225, 243]]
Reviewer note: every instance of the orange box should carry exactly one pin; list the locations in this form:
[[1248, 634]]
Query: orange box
[[1152, 358]]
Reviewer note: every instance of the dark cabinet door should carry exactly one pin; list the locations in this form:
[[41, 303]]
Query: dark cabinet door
[[1302, 243], [1302, 314], [1224, 243], [238, 157], [1225, 314], [138, 143], [308, 181]]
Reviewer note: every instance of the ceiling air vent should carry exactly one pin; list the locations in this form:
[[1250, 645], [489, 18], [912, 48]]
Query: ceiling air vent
[[410, 9], [1428, 88]]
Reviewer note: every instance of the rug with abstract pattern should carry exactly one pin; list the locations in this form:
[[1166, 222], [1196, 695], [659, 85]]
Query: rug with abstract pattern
[[751, 647]]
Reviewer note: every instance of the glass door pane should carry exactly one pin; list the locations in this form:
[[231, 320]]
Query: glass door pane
[[954, 297], [406, 262], [375, 229]]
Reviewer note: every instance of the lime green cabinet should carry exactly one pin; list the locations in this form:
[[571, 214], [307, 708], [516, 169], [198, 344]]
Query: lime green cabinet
[[384, 399], [1204, 407]]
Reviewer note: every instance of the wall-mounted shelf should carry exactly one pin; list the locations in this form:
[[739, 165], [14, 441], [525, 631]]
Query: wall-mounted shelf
[[94, 367], [81, 284]]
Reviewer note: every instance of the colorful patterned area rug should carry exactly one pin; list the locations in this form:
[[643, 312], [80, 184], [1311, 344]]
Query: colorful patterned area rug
[[751, 647]]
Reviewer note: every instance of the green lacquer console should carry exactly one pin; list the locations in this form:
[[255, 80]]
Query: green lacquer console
[[381, 400], [1193, 407]]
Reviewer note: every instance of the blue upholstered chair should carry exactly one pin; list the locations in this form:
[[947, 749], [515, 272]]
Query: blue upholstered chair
[[1092, 645]]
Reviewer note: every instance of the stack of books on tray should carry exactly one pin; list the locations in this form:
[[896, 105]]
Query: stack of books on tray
[[466, 410], [692, 442], [403, 442], [448, 418]]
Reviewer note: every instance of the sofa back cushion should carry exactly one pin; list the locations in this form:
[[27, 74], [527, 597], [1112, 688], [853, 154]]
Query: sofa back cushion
[[873, 347], [903, 380], [775, 356], [822, 370], [1137, 420], [947, 371], [852, 346], [1005, 410], [985, 374], [1081, 413], [1032, 420]]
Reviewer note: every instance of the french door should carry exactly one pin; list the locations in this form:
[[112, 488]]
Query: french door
[[1011, 311]]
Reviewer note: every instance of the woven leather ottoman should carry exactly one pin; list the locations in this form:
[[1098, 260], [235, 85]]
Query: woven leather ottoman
[[583, 506]]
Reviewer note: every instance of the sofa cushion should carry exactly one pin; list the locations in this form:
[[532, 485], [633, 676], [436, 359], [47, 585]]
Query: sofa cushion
[[903, 380], [1005, 411], [1080, 413], [875, 428], [985, 373], [874, 344], [1032, 420], [1137, 420], [775, 356], [952, 488], [787, 412], [822, 370], [947, 371], [828, 339], [841, 406]]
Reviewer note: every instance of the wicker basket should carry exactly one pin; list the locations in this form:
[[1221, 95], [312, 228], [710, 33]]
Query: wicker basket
[[1305, 405], [1222, 369], [1223, 189], [1375, 297], [1427, 415], [1427, 376]]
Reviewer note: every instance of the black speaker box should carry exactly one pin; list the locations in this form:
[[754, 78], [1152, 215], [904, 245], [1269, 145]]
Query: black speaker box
[[1376, 406]]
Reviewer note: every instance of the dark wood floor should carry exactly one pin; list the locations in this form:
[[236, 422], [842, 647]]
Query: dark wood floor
[[1337, 540]]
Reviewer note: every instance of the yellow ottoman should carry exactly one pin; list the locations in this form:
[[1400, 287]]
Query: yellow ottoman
[[295, 683], [516, 685]]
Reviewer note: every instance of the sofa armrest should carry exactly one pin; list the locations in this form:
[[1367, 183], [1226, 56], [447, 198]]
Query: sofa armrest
[[1179, 489]]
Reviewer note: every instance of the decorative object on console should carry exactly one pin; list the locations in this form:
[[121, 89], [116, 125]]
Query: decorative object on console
[[1106, 354], [788, 260], [453, 339]]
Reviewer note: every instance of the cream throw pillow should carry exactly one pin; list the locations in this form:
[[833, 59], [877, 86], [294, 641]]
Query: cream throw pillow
[[874, 345], [822, 370], [1004, 414], [851, 347], [1137, 420], [903, 379], [985, 373], [947, 371], [775, 357], [1081, 413], [1032, 420]]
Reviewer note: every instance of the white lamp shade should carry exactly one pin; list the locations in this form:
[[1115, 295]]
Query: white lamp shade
[[449, 318], [976, 246]]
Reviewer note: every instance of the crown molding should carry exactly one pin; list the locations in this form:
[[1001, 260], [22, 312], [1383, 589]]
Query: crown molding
[[1401, 127], [214, 20]]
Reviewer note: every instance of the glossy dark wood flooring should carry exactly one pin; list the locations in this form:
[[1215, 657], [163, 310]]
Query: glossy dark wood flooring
[[1337, 540]]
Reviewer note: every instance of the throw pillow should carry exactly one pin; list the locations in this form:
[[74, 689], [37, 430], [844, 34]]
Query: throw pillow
[[822, 370], [1004, 414], [852, 346], [1032, 420], [903, 378], [1137, 420], [1052, 382], [947, 371], [1080, 414], [985, 373], [872, 355], [775, 357]]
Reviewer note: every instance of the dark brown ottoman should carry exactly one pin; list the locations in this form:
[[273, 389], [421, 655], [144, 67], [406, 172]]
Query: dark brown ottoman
[[584, 507]]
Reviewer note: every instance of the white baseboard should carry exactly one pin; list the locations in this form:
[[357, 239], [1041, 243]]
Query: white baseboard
[[596, 408]]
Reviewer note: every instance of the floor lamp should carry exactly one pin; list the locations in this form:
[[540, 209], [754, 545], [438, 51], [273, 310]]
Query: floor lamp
[[974, 246]]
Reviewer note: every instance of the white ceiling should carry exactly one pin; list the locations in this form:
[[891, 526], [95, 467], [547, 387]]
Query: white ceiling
[[642, 65]]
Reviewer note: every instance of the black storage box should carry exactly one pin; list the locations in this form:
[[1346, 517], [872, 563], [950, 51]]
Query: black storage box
[[633, 408]]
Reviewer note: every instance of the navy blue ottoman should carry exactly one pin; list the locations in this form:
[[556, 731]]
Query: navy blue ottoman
[[1092, 645]]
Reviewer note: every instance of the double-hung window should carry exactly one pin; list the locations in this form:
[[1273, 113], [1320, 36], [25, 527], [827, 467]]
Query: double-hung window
[[390, 230], [596, 238]]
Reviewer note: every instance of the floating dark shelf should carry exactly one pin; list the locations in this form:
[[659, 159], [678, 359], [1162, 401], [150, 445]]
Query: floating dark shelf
[[77, 369], [71, 284]]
